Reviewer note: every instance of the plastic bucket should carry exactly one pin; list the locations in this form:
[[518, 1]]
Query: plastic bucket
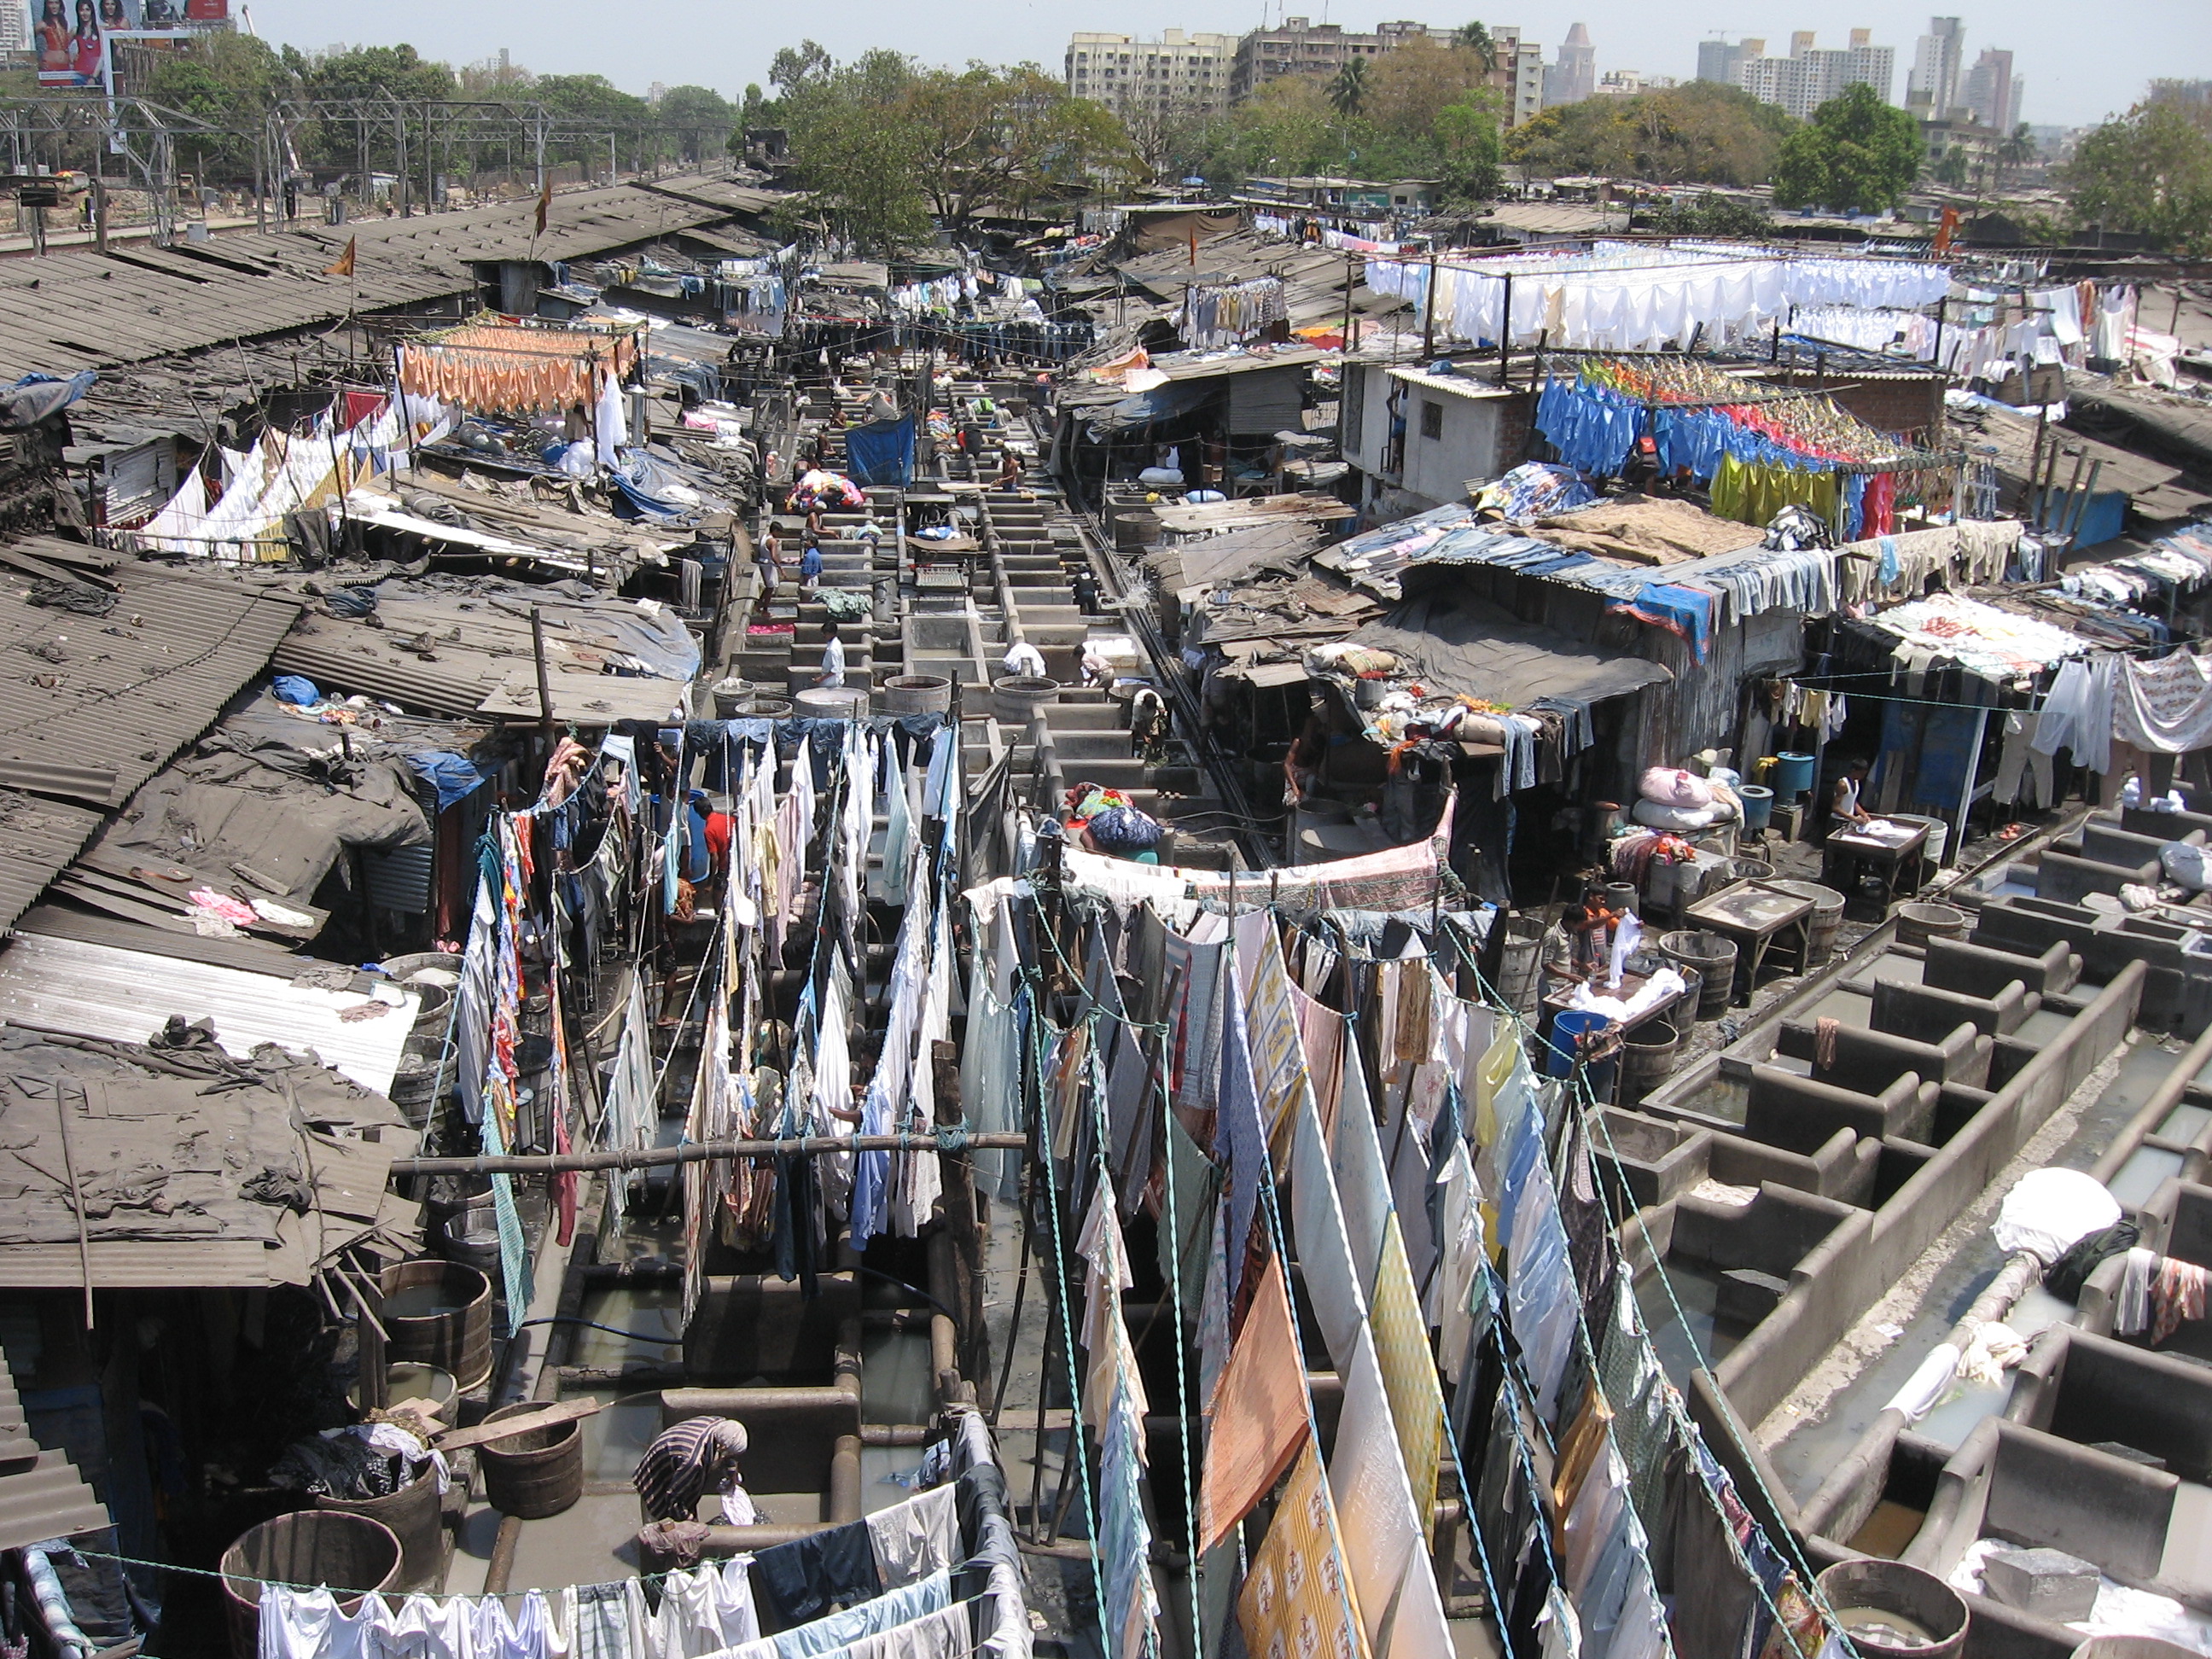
[[1648, 1055], [1758, 805], [1820, 930], [538, 1473], [1569, 1031], [1711, 955], [351, 1554], [2133, 1647], [1939, 833], [1749, 869], [1792, 777], [732, 697], [771, 708], [1924, 1617], [412, 1513], [439, 1312]]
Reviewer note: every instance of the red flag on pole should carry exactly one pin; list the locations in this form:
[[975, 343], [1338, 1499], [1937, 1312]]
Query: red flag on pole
[[545, 202], [344, 265]]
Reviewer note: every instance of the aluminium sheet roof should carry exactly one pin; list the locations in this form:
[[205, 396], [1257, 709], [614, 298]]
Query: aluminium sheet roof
[[95, 990]]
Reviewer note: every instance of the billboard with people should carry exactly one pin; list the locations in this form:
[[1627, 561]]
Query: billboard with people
[[71, 38]]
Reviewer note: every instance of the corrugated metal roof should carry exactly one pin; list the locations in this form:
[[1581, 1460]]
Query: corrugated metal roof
[[41, 837], [42, 1496], [123, 996], [83, 309], [93, 706], [1457, 385], [444, 650]]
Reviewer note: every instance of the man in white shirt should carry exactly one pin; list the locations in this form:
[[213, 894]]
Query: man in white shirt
[[1023, 658], [833, 660]]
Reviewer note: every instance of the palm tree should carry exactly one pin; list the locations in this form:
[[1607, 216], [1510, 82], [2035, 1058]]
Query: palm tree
[[1475, 37], [2019, 149], [1348, 92]]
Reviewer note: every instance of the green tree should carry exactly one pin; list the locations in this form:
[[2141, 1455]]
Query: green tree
[[1701, 132], [2149, 174], [1287, 126], [1008, 136], [1348, 93], [703, 120], [1711, 215], [1475, 37], [230, 81], [1950, 169], [2018, 148], [590, 109], [365, 72], [1858, 154], [1467, 138]]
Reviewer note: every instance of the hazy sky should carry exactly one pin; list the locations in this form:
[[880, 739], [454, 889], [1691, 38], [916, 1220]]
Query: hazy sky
[[2081, 62]]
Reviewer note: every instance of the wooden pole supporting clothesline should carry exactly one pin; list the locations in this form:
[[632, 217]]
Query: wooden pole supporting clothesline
[[702, 1152]]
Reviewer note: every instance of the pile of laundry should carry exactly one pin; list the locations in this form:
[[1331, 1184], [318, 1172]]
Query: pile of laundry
[[817, 488], [374, 1459]]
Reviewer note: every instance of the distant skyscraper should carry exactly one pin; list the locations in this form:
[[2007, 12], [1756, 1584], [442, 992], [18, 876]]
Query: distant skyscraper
[[14, 27], [1988, 93], [1719, 61], [1574, 77], [1809, 77], [1932, 91]]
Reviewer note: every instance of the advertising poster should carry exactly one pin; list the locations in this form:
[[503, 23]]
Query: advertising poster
[[69, 38]]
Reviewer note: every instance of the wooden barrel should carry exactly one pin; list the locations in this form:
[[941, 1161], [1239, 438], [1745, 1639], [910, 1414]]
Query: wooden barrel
[[439, 1312], [538, 1473], [1821, 926], [351, 1554], [1712, 956], [917, 694], [1014, 698], [1648, 1055], [1918, 923], [412, 1513]]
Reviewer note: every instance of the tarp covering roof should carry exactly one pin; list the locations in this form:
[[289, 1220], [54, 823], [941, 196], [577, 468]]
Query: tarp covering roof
[[448, 643], [251, 1182], [1458, 644]]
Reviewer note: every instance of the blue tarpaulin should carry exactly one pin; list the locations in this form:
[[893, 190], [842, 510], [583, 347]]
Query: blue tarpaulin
[[881, 453], [454, 777]]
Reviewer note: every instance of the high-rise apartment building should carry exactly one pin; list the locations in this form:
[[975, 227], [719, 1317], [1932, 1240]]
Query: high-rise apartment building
[[1989, 94], [1573, 76], [1302, 46], [1931, 90], [1177, 72], [1807, 77], [1298, 46]]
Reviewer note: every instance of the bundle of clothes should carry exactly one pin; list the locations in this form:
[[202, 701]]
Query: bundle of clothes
[[1674, 800], [1108, 821], [819, 489], [373, 1459]]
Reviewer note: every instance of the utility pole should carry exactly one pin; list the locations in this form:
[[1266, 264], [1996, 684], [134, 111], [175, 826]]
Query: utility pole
[[1429, 313], [399, 155]]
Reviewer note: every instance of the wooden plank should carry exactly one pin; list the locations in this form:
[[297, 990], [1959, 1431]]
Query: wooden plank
[[564, 1411]]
